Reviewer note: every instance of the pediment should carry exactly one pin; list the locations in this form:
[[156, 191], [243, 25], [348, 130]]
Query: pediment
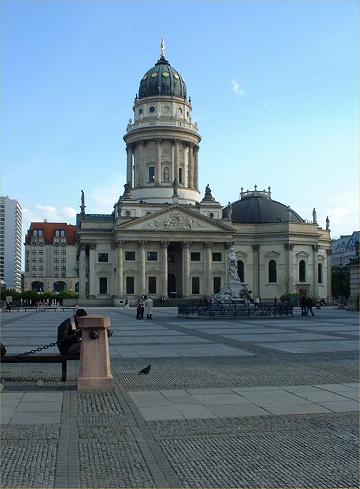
[[175, 219]]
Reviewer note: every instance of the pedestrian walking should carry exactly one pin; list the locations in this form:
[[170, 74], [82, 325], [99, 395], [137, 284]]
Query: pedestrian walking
[[309, 306], [303, 306], [149, 305]]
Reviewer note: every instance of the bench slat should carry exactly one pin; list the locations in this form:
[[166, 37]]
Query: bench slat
[[42, 359]]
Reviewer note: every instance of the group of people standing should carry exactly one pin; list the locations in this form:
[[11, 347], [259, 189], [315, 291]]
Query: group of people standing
[[306, 304], [142, 305]]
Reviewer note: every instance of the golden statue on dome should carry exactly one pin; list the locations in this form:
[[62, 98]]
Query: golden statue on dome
[[162, 46]]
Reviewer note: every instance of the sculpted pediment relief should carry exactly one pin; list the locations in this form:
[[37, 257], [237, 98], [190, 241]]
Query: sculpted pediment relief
[[175, 220]]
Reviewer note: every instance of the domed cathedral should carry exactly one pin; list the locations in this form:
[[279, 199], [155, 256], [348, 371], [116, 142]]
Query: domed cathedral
[[166, 240]]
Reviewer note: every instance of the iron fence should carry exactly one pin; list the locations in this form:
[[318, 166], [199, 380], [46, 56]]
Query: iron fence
[[235, 310]]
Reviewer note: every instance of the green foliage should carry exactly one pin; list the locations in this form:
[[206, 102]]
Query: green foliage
[[67, 294], [12, 293], [340, 281]]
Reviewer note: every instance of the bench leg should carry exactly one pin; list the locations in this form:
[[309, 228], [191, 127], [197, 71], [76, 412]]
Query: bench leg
[[63, 371]]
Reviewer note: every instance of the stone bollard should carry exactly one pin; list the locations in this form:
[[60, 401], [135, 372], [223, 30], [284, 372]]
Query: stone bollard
[[94, 372]]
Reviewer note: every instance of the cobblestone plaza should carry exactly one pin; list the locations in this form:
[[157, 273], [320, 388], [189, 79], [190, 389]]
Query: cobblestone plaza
[[269, 402]]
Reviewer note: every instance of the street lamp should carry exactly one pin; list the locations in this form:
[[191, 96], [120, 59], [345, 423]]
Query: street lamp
[[340, 278]]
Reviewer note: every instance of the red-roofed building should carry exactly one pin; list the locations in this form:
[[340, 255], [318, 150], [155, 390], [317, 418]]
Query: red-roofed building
[[51, 262]]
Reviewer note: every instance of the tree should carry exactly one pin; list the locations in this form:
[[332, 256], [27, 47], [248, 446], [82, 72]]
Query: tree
[[285, 285], [340, 281]]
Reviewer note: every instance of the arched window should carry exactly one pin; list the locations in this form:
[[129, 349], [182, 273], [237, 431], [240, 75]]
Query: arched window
[[240, 270], [302, 271], [320, 273], [272, 271]]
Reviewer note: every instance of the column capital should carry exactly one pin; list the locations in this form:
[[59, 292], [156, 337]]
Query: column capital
[[92, 246], [315, 247], [119, 243], [329, 252], [186, 244], [256, 247], [142, 243], [208, 244], [82, 246], [164, 244], [288, 246]]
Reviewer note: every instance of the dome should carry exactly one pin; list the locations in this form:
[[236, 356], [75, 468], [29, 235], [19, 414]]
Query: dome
[[257, 207], [162, 79]]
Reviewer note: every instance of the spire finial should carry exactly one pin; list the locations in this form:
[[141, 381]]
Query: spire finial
[[162, 46]]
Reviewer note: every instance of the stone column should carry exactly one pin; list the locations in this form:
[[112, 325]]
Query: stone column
[[315, 271], [91, 272], [140, 159], [142, 268], [196, 167], [120, 268], [186, 268], [328, 277], [82, 272], [190, 166], [208, 265], [176, 159], [256, 271], [288, 264], [94, 375], [164, 268], [129, 170], [158, 161]]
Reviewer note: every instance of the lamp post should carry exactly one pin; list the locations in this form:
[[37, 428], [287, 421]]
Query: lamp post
[[340, 279]]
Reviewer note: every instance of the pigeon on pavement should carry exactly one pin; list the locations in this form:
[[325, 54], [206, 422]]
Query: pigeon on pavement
[[145, 370]]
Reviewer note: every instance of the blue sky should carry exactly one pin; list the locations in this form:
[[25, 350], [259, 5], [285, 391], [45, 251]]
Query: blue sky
[[274, 87]]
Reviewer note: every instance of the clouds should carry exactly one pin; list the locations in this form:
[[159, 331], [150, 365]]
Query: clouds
[[48, 212], [238, 90]]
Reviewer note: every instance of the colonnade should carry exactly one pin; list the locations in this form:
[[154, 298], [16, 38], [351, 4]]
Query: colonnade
[[136, 163], [87, 269]]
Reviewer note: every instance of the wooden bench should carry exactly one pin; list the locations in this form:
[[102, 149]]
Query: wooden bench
[[63, 359]]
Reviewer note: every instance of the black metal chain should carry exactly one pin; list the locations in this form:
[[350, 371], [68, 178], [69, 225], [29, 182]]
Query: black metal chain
[[31, 352]]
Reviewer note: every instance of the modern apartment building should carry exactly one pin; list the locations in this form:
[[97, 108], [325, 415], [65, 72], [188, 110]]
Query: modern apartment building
[[10, 243], [51, 257]]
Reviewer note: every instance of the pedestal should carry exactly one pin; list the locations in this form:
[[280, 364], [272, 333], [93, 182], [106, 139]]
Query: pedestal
[[95, 371]]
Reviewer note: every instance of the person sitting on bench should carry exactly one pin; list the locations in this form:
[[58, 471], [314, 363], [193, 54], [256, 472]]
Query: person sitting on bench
[[69, 334]]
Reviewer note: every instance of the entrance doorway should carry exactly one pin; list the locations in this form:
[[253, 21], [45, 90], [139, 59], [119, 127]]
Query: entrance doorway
[[172, 292]]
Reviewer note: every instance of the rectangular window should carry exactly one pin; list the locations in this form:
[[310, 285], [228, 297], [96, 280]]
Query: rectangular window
[[129, 255], [130, 285], [151, 174], [103, 257], [217, 257], [195, 256], [195, 285], [152, 285], [152, 255], [180, 175], [217, 284], [103, 285]]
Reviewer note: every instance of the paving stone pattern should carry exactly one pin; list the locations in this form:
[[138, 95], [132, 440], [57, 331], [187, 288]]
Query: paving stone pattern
[[204, 417]]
